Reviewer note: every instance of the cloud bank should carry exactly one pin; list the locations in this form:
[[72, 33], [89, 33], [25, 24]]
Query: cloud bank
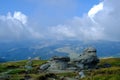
[[13, 27], [100, 23], [16, 27]]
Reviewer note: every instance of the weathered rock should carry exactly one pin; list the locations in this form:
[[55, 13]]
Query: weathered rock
[[65, 59], [44, 66], [88, 59], [59, 63], [72, 68]]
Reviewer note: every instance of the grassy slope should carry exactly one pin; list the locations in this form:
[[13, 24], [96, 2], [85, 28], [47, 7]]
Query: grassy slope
[[112, 73], [17, 70]]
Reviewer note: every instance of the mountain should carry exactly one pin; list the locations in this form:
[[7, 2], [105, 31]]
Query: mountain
[[46, 49]]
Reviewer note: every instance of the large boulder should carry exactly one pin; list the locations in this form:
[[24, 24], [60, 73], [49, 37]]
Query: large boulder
[[56, 63], [88, 59], [59, 63]]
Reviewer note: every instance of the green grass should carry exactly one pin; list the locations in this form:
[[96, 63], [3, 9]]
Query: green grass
[[103, 77], [113, 61], [17, 70], [112, 73], [16, 67]]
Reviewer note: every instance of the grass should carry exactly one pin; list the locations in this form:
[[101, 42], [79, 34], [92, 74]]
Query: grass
[[112, 73], [103, 77], [17, 70], [113, 61]]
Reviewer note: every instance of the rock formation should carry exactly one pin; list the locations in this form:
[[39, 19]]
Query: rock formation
[[88, 59], [59, 63]]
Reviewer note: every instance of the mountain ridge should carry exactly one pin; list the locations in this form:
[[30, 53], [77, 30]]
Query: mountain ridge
[[46, 49]]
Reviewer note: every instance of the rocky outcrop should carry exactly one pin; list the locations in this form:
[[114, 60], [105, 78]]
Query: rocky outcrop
[[59, 63], [88, 59]]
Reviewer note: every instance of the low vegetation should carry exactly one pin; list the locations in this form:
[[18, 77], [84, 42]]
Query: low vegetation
[[17, 71]]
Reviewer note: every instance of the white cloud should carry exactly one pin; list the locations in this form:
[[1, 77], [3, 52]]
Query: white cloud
[[95, 9], [79, 28], [21, 17], [100, 23], [109, 18], [16, 28], [63, 30], [13, 27]]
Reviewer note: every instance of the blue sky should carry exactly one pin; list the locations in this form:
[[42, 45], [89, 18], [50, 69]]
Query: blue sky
[[59, 19], [27, 6], [45, 10]]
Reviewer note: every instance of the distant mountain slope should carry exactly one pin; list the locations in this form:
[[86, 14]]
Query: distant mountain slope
[[47, 49]]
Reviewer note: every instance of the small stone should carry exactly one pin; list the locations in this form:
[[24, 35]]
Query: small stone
[[81, 74]]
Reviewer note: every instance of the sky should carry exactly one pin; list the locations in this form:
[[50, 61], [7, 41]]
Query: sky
[[59, 20]]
